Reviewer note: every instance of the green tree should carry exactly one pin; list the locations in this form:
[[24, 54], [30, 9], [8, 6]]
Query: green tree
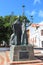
[[5, 26]]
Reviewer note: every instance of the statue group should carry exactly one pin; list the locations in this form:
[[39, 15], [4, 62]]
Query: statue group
[[19, 36]]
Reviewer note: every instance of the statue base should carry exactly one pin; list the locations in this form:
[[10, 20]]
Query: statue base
[[21, 53]]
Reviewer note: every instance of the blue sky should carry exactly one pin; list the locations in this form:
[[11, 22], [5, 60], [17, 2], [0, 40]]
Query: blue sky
[[32, 7]]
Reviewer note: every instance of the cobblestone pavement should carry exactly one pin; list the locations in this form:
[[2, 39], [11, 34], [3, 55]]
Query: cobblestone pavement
[[5, 59]]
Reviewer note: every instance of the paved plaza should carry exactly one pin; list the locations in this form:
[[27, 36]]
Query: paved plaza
[[5, 59]]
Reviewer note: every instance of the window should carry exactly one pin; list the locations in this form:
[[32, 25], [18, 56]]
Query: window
[[42, 32], [42, 43]]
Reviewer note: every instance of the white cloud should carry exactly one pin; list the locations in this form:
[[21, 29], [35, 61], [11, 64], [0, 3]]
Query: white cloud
[[40, 13], [33, 12], [41, 22], [37, 1]]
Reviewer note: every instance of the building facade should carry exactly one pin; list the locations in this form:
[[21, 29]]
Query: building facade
[[35, 36]]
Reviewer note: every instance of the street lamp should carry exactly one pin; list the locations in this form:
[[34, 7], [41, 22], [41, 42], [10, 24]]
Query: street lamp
[[23, 6]]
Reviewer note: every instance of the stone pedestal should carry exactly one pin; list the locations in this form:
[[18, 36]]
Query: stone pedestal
[[21, 53]]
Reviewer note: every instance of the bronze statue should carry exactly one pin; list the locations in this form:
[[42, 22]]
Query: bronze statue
[[19, 36]]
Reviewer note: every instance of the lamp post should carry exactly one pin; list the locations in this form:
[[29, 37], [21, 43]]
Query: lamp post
[[23, 6], [11, 18], [24, 35]]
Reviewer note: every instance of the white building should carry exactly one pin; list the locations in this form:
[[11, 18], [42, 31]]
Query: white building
[[36, 35]]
